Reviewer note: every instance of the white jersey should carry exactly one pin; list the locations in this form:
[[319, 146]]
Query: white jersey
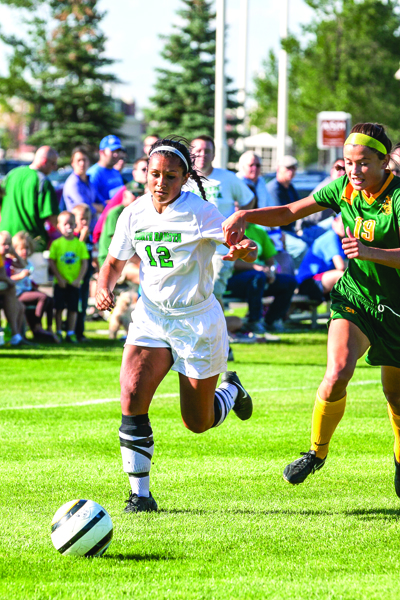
[[225, 191], [175, 248]]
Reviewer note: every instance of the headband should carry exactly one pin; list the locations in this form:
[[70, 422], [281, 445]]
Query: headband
[[170, 149], [360, 139]]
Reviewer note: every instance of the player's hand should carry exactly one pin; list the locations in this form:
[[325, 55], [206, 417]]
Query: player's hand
[[353, 248], [246, 250], [62, 283], [104, 299], [234, 227], [76, 283]]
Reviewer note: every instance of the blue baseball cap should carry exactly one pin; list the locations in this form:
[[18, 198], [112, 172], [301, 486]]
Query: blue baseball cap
[[112, 142]]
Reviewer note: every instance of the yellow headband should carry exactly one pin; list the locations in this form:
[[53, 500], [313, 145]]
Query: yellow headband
[[360, 139]]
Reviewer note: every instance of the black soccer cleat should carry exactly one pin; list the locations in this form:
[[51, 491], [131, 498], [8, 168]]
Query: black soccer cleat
[[136, 504], [301, 468], [397, 477], [243, 407]]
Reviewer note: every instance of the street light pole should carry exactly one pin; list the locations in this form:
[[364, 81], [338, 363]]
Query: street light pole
[[242, 67], [283, 84], [221, 150]]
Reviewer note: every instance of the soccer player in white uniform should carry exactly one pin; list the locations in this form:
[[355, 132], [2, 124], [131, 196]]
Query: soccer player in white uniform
[[178, 324]]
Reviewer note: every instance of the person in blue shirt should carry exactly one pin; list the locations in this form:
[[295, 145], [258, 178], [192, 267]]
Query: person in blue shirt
[[283, 192], [78, 188], [324, 263], [105, 179]]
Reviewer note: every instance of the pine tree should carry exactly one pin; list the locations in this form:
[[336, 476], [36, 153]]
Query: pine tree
[[183, 102], [59, 69]]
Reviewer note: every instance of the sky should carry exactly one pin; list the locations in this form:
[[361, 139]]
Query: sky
[[133, 28]]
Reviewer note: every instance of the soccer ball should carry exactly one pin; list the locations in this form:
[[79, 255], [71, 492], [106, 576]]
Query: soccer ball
[[81, 528]]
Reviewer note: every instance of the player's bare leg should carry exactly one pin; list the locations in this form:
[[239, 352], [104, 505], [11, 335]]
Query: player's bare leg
[[346, 344], [391, 389], [203, 406], [142, 371]]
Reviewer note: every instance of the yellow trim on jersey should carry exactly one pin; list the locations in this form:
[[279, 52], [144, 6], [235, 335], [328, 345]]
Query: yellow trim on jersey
[[360, 139], [371, 199], [349, 193]]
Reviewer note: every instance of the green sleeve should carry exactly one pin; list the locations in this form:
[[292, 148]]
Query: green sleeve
[[330, 195], [107, 233], [84, 254], [47, 202], [268, 247], [53, 251]]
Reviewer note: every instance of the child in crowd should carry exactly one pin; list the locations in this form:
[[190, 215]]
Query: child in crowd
[[82, 231], [28, 292], [13, 309], [68, 262]]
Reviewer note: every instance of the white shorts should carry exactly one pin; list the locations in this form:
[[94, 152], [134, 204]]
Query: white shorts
[[196, 336]]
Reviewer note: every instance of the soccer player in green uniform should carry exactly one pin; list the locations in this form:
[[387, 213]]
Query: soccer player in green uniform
[[366, 300]]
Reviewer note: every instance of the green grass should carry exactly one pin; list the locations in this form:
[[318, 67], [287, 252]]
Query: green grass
[[228, 525]]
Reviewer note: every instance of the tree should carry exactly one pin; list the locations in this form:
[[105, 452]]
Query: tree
[[59, 69], [183, 102], [345, 60]]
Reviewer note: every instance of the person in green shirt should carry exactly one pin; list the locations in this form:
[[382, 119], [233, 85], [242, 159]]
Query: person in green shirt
[[251, 282], [366, 300], [30, 199], [68, 262]]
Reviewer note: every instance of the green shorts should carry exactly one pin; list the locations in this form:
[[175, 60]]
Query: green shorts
[[381, 328]]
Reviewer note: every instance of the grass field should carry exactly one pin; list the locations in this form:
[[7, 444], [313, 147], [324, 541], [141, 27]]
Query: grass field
[[228, 525]]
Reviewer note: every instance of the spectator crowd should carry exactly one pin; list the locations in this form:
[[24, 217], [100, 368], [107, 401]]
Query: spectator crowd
[[71, 237]]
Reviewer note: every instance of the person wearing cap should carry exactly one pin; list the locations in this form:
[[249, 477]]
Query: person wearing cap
[[283, 192], [105, 179], [78, 189], [135, 187], [365, 310]]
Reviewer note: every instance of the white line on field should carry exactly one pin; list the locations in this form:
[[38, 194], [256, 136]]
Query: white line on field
[[107, 400]]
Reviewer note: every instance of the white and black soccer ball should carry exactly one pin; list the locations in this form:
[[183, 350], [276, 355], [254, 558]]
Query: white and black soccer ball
[[81, 528]]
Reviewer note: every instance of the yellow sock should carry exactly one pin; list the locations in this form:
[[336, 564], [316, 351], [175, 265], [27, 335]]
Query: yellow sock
[[395, 421], [325, 419]]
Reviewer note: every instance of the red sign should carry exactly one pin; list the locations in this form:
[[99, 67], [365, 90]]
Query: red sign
[[333, 132]]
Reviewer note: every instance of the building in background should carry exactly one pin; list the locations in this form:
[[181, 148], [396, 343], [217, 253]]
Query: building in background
[[265, 146]]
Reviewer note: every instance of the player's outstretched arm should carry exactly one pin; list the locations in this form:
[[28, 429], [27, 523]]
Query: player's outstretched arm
[[273, 216], [108, 277], [246, 250]]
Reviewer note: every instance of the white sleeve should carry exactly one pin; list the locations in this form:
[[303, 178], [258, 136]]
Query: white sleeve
[[210, 222], [122, 245], [241, 193]]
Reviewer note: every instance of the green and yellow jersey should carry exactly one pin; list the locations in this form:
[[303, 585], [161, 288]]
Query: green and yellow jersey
[[375, 222]]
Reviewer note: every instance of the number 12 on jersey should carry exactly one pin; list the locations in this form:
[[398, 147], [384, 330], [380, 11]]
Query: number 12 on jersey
[[163, 255]]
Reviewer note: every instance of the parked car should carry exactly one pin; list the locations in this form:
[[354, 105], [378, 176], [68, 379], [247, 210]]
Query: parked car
[[6, 165]]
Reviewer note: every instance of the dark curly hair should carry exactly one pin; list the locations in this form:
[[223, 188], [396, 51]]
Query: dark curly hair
[[376, 131], [181, 144]]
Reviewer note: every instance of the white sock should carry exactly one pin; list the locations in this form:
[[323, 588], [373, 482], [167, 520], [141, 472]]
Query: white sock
[[136, 460], [224, 400]]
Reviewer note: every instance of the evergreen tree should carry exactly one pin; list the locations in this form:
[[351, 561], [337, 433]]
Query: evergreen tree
[[59, 69], [183, 102], [345, 60]]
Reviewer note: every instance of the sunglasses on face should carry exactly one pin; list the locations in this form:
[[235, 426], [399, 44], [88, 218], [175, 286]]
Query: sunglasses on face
[[255, 165], [340, 167]]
